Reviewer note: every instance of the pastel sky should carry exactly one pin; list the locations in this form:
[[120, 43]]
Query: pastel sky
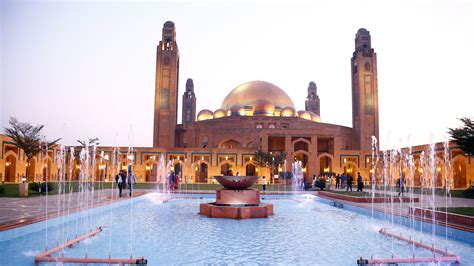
[[86, 69]]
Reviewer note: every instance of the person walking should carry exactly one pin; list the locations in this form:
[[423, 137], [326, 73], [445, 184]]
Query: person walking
[[360, 182], [338, 181]]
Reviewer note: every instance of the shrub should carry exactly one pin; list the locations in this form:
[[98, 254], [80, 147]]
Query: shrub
[[468, 193], [41, 187], [2, 189], [321, 183]]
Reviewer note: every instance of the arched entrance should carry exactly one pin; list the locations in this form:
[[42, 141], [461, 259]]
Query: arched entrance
[[230, 144], [46, 169], [31, 170], [325, 163], [250, 170], [154, 172], [10, 168], [303, 157], [459, 172], [225, 166], [200, 172], [350, 168]]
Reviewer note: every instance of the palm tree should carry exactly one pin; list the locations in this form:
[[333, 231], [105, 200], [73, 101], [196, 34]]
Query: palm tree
[[28, 138]]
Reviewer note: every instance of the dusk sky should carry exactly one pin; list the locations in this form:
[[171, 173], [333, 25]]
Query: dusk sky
[[86, 69]]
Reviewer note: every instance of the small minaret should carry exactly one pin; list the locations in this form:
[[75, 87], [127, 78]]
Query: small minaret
[[189, 103], [312, 101]]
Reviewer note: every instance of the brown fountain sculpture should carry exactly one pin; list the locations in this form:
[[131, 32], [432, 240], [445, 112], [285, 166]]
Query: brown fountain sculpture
[[236, 200]]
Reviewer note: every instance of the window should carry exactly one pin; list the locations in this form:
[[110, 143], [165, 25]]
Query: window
[[271, 126], [259, 126], [284, 126]]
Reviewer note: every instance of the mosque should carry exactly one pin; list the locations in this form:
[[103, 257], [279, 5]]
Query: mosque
[[255, 115]]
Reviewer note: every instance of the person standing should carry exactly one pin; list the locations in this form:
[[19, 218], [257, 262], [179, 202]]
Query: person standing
[[130, 182], [338, 181], [119, 179], [360, 182], [264, 184], [401, 185], [349, 182], [343, 179]]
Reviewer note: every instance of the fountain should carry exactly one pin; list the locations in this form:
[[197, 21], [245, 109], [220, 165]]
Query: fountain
[[236, 200]]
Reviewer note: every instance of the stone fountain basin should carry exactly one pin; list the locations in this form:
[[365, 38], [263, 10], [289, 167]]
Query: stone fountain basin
[[236, 182]]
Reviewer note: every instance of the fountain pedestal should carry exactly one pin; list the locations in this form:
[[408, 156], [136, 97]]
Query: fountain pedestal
[[236, 201]]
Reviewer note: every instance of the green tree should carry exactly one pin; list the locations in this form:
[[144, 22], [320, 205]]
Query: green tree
[[269, 159], [28, 138], [463, 136]]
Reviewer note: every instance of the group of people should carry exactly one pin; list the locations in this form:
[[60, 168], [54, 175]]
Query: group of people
[[124, 179], [173, 181], [343, 180]]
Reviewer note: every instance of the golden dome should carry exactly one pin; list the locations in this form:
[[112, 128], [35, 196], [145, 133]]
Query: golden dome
[[205, 115], [263, 107], [220, 113], [287, 111], [315, 117], [237, 110], [304, 114], [249, 93]]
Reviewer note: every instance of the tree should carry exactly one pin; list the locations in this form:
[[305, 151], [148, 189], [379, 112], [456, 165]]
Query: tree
[[464, 135], [269, 159], [28, 138], [91, 142]]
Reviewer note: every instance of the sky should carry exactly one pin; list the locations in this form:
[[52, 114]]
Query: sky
[[86, 69]]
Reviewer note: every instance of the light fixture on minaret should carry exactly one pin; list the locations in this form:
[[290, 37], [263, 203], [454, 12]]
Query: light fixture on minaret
[[189, 104], [312, 100]]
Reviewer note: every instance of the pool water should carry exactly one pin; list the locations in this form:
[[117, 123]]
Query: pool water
[[304, 230]]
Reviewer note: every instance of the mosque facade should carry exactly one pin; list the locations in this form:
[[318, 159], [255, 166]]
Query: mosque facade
[[255, 115]]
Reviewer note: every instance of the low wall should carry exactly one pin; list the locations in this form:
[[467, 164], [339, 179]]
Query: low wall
[[441, 216], [364, 199]]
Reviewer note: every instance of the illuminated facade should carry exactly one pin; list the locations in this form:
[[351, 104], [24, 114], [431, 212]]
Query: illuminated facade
[[255, 115]]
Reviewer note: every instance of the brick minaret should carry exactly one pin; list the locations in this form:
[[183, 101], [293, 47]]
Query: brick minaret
[[189, 104], [365, 107], [312, 100], [166, 88]]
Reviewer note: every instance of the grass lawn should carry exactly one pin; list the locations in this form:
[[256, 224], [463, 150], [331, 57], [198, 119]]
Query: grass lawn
[[350, 193], [469, 211], [12, 190]]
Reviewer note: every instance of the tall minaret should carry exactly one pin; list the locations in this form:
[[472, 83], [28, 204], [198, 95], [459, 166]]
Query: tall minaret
[[189, 103], [166, 88], [365, 107], [312, 100]]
